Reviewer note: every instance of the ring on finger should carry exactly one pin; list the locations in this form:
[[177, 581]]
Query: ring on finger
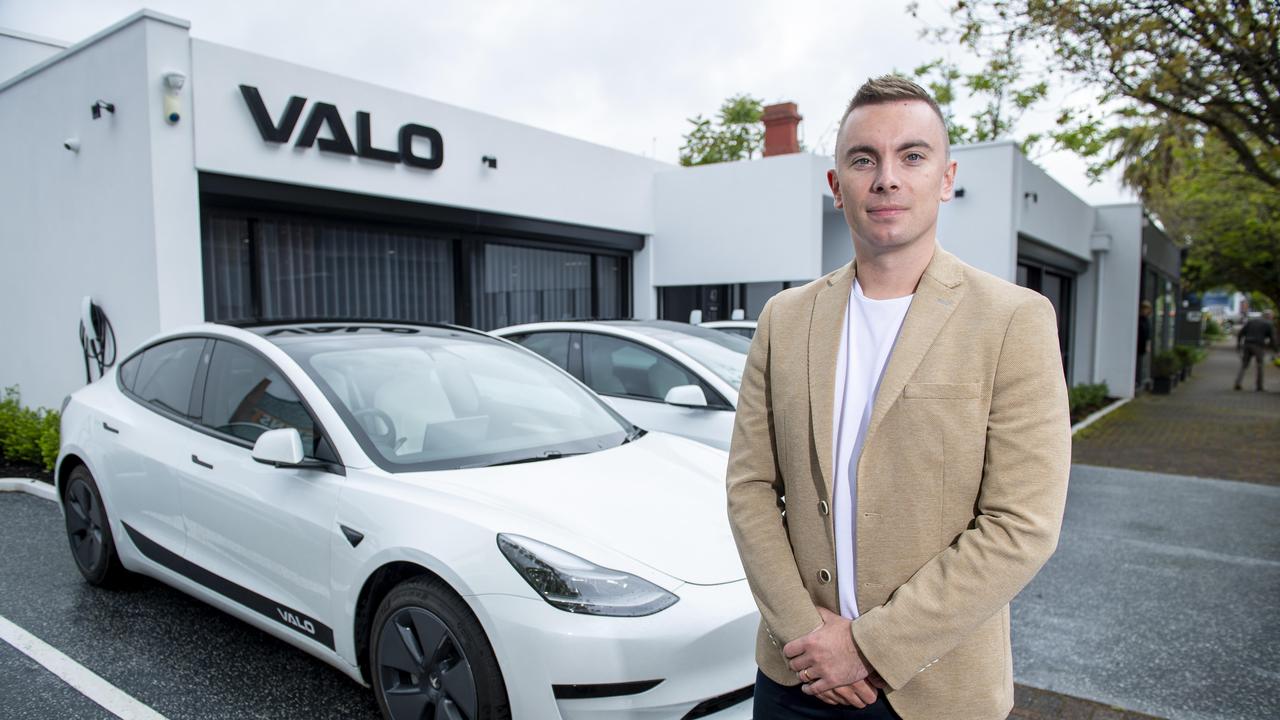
[[804, 675]]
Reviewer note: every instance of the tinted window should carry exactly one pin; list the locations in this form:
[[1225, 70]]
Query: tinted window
[[246, 396], [165, 373], [612, 366], [129, 372], [553, 346]]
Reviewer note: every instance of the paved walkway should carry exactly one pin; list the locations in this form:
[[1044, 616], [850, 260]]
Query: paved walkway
[[1204, 428], [1160, 599]]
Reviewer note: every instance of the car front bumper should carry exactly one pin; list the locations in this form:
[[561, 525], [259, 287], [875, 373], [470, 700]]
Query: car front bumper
[[702, 649]]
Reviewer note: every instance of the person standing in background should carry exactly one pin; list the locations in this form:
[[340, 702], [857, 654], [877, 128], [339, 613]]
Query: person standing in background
[[1144, 340], [1255, 338]]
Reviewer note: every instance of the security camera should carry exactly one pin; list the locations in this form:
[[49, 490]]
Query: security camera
[[173, 83], [72, 144]]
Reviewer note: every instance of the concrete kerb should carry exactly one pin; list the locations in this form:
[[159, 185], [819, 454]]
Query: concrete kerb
[[1095, 417], [38, 488]]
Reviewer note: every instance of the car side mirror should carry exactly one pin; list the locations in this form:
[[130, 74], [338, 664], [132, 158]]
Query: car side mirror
[[686, 396], [281, 448]]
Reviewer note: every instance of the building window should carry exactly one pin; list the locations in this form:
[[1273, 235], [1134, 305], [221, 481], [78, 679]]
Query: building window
[[268, 268], [1058, 286]]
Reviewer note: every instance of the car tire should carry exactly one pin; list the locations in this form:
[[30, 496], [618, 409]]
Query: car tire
[[429, 657], [89, 531]]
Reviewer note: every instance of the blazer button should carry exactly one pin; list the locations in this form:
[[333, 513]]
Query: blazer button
[[824, 576], [823, 507]]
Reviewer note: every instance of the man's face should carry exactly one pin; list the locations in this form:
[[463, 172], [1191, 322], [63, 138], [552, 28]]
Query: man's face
[[891, 174]]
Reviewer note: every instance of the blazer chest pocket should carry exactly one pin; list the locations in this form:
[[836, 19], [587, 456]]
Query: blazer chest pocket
[[942, 391]]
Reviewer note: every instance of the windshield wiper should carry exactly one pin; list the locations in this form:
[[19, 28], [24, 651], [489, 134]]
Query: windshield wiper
[[544, 455], [635, 434]]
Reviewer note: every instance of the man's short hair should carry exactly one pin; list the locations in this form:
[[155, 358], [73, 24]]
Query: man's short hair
[[888, 88]]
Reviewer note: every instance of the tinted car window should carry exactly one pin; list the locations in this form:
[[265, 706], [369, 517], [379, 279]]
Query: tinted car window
[[129, 372], [165, 373], [553, 346], [613, 366], [246, 396]]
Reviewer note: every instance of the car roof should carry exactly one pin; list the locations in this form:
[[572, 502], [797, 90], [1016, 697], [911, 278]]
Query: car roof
[[654, 330], [302, 330]]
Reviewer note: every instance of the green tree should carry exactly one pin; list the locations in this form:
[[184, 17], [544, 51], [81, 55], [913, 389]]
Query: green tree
[[1188, 106], [1208, 66], [1001, 87], [1228, 218], [736, 134]]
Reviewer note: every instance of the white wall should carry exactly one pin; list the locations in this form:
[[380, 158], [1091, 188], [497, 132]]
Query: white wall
[[19, 51], [1121, 268], [540, 174], [741, 222], [1049, 212], [979, 228], [75, 224]]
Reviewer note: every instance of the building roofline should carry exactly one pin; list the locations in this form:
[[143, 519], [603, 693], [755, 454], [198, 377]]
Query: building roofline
[[139, 16], [9, 32]]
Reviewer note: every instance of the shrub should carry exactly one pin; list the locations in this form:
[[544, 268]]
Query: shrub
[[1082, 397], [28, 435], [1212, 330], [1164, 364], [1189, 355]]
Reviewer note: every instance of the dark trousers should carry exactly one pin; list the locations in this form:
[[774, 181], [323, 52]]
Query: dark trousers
[[781, 702], [1254, 352]]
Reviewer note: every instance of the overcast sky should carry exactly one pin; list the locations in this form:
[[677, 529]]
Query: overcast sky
[[626, 75]]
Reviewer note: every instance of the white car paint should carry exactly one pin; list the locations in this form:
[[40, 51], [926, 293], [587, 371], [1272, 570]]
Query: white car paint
[[711, 426], [735, 326], [653, 508]]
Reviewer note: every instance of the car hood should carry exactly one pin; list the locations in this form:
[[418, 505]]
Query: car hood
[[659, 500]]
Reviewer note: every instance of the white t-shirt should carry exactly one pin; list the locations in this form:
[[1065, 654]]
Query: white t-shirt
[[870, 330]]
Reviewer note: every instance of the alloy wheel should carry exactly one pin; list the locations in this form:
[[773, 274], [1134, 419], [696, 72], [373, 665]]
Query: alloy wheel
[[85, 522], [424, 673]]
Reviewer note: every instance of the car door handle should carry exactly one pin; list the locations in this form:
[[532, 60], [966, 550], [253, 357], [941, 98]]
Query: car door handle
[[200, 462], [108, 428]]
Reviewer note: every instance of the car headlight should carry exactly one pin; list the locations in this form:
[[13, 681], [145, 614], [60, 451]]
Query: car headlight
[[574, 585]]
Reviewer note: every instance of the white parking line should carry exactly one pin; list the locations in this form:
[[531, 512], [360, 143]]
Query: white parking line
[[110, 697]]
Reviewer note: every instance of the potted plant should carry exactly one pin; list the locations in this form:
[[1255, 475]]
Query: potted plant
[[1187, 357], [1164, 368]]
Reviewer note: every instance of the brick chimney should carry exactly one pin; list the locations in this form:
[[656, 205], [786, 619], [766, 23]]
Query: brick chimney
[[780, 123]]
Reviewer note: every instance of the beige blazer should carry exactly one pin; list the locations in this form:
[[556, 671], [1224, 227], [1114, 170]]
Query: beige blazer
[[961, 482]]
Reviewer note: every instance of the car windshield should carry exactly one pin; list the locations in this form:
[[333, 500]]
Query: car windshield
[[722, 353], [433, 401]]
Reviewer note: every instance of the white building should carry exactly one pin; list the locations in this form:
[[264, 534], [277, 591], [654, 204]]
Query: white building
[[175, 180]]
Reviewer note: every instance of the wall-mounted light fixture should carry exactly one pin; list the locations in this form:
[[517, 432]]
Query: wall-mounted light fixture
[[491, 161], [72, 144], [101, 105], [959, 192], [173, 83], [1033, 197]]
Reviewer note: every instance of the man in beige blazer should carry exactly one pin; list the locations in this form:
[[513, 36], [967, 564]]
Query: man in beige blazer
[[961, 450]]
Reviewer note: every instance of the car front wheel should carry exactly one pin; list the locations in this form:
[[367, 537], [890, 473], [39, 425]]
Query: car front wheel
[[430, 657]]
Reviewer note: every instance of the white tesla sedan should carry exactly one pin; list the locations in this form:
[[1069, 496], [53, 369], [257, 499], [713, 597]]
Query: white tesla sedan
[[436, 512], [674, 377]]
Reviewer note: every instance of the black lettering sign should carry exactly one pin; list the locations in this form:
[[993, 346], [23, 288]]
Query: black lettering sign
[[364, 140], [326, 115], [270, 131], [408, 133]]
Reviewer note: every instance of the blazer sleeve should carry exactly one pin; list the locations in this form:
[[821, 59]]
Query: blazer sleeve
[[1019, 511], [755, 489]]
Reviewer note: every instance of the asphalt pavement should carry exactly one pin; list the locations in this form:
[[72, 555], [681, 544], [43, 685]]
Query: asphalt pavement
[[170, 652], [1162, 597]]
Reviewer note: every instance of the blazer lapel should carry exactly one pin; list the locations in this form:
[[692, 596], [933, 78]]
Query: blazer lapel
[[936, 297], [824, 344]]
